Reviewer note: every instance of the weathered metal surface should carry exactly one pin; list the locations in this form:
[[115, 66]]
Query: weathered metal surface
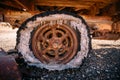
[[106, 34], [105, 31], [56, 43], [8, 67]]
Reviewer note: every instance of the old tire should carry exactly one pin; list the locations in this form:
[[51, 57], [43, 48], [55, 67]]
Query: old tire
[[54, 40]]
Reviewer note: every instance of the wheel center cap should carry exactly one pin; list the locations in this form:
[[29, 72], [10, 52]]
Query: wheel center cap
[[55, 45]]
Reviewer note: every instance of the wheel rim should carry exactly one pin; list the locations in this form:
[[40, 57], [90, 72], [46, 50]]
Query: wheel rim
[[54, 43]]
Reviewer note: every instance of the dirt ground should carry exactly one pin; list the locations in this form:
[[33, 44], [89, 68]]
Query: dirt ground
[[102, 63]]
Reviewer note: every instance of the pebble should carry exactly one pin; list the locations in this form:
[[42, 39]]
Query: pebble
[[98, 72]]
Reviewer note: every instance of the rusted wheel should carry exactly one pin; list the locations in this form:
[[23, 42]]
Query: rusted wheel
[[54, 43], [54, 40]]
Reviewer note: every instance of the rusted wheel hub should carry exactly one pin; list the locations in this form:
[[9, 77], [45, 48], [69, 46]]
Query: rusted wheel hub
[[54, 43]]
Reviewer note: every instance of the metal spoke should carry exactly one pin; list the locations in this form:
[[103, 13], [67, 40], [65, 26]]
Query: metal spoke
[[54, 31], [56, 55]]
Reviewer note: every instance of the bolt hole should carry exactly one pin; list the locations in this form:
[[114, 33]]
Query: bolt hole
[[64, 42], [50, 53], [59, 35], [63, 54], [60, 50], [50, 36]]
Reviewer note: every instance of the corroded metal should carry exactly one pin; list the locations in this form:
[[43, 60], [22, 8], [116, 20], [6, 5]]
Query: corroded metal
[[54, 43], [106, 34], [8, 67]]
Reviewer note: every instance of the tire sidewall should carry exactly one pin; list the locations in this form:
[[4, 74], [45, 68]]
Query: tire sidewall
[[24, 39]]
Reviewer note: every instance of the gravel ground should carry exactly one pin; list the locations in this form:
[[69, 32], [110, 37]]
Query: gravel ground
[[102, 63]]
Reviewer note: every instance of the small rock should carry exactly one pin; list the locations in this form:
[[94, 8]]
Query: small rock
[[98, 72]]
